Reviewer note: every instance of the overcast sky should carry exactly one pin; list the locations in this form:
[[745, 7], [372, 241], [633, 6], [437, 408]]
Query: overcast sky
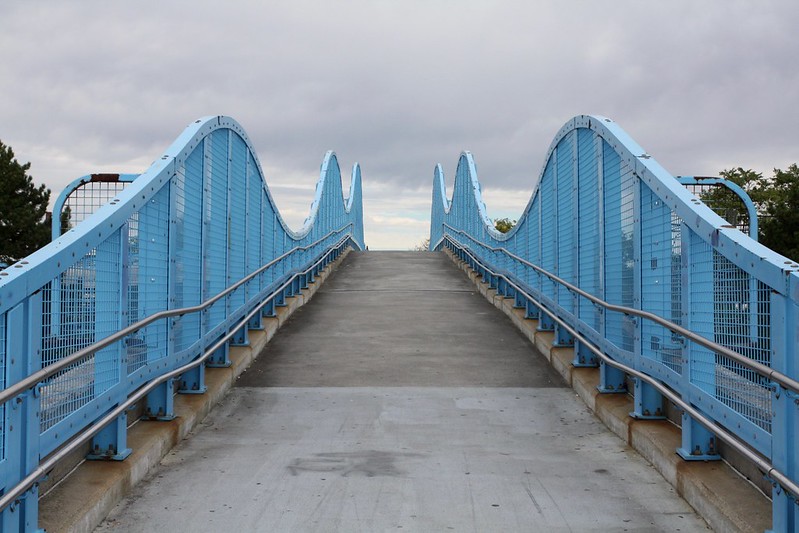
[[98, 86]]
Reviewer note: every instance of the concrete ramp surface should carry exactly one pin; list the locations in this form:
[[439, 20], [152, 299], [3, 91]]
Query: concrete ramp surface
[[399, 399]]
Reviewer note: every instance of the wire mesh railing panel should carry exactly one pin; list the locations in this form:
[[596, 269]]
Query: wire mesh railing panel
[[216, 223], [80, 307], [148, 289], [2, 385], [724, 202], [618, 239], [237, 249], [731, 308], [588, 226], [548, 233], [188, 247], [741, 310], [267, 240], [86, 199], [702, 360], [534, 240], [565, 220], [108, 294], [254, 225], [660, 280]]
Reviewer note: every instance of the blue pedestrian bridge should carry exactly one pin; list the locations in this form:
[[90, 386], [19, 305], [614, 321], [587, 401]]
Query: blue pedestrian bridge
[[653, 303]]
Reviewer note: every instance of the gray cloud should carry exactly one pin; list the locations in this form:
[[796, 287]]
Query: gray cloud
[[398, 86]]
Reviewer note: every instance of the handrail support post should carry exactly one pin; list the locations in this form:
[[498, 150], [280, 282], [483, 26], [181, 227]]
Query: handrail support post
[[611, 379], [160, 403], [698, 444], [647, 402], [111, 443], [192, 381], [583, 357]]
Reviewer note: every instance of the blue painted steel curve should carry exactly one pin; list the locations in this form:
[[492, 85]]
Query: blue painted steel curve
[[608, 219], [200, 219]]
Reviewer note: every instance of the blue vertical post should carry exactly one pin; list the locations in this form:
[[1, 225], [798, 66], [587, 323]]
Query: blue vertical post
[[193, 381], [647, 401], [583, 357], [785, 452], [576, 224], [545, 322], [611, 379], [23, 340], [697, 443], [531, 310], [241, 337], [519, 300], [221, 356], [111, 441], [160, 403]]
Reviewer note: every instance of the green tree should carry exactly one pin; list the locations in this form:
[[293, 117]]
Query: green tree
[[726, 203], [504, 225], [66, 219], [778, 201], [24, 227]]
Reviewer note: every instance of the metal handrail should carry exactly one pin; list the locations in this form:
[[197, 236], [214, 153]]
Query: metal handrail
[[81, 438], [774, 375], [40, 375], [731, 439]]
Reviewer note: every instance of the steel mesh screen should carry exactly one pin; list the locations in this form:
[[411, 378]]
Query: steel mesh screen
[[148, 260], [548, 228], [741, 323], [661, 287], [565, 259], [724, 202], [86, 199], [238, 221], [732, 309], [588, 226], [619, 242], [254, 215], [188, 247], [107, 298], [267, 240], [2, 385], [534, 278], [216, 222], [80, 307]]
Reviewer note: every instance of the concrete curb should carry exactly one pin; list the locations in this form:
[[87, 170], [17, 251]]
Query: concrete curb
[[85, 497], [726, 500]]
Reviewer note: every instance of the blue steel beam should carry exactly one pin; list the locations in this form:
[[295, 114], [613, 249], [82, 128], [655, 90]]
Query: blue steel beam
[[660, 250], [165, 263]]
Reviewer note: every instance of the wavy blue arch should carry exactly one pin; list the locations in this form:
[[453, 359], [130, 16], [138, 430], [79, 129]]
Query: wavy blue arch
[[41, 266], [200, 222], [608, 219]]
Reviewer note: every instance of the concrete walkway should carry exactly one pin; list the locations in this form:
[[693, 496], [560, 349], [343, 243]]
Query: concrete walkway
[[400, 399]]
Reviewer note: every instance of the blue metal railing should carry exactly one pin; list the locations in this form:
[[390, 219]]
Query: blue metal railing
[[190, 255], [608, 221]]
